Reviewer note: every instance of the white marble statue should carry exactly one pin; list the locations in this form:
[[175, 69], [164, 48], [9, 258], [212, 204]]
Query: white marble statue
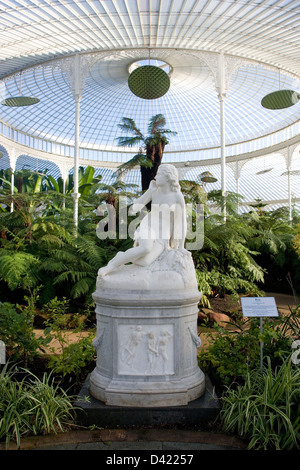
[[163, 228], [147, 308]]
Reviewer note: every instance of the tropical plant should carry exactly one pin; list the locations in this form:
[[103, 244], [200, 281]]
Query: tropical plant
[[38, 246], [225, 262], [272, 236], [110, 193], [31, 406], [28, 181], [234, 351], [265, 410], [17, 332], [193, 192], [215, 201], [231, 352], [5, 185], [296, 240], [72, 356], [152, 146], [87, 182], [28, 236]]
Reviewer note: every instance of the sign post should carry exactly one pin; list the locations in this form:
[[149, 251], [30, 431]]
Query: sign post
[[259, 307], [2, 353]]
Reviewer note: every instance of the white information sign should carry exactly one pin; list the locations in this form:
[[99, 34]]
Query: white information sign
[[259, 307]]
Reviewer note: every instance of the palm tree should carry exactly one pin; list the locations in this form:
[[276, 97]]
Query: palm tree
[[152, 146]]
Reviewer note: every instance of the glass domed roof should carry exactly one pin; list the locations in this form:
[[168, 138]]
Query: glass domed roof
[[191, 105], [260, 42]]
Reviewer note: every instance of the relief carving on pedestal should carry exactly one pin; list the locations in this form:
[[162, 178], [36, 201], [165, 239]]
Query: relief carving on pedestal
[[145, 350]]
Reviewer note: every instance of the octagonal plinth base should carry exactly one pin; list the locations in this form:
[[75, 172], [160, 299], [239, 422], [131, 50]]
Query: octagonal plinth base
[[147, 393], [146, 346]]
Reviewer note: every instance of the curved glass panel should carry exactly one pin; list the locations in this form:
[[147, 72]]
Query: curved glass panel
[[191, 106], [172, 32]]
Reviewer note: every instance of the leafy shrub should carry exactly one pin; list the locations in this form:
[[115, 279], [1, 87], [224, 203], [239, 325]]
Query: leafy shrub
[[266, 409], [17, 332], [74, 356], [233, 352], [296, 240], [230, 353]]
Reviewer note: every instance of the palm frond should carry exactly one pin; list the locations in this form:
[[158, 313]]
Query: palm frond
[[129, 125], [156, 123], [129, 141], [137, 160]]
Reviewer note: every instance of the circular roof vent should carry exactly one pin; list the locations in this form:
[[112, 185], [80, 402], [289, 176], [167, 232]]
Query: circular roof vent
[[280, 99], [207, 177], [15, 101], [149, 81]]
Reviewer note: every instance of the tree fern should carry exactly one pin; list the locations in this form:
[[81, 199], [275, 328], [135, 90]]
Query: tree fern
[[153, 145], [19, 269]]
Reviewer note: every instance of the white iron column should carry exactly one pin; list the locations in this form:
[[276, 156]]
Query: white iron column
[[12, 160], [237, 174], [76, 194], [237, 190], [77, 69], [222, 95], [77, 97], [64, 171], [12, 181], [289, 183]]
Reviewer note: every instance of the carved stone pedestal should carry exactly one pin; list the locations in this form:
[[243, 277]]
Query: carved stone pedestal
[[147, 335]]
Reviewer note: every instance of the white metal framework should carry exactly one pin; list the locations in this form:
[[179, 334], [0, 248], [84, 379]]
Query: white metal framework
[[225, 56]]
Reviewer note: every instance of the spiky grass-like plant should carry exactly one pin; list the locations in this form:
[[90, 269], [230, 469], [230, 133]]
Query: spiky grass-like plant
[[265, 410], [31, 406]]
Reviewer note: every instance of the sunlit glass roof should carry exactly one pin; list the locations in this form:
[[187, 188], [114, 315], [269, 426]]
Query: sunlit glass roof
[[260, 43], [191, 106]]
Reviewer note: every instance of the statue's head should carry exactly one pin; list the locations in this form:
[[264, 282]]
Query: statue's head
[[171, 173]]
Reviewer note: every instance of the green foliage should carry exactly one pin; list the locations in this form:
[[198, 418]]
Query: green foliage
[[193, 192], [248, 252], [265, 410], [17, 332], [231, 353], [296, 240], [217, 201], [226, 264], [213, 283], [37, 241], [19, 269], [156, 132], [234, 351], [137, 160], [73, 356], [272, 238], [38, 246], [151, 146], [31, 406]]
